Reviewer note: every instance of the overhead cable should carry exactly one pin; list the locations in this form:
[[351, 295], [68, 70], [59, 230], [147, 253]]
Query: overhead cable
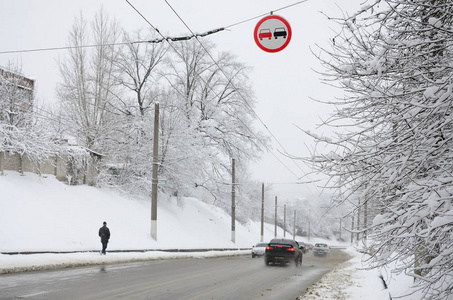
[[245, 101], [173, 39]]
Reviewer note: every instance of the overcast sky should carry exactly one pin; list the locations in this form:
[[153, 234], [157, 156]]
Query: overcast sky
[[283, 82]]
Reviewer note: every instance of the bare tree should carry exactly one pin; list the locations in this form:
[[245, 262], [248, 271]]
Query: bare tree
[[88, 79], [138, 68], [215, 97], [130, 144]]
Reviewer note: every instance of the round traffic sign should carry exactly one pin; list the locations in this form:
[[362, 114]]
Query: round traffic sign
[[272, 33]]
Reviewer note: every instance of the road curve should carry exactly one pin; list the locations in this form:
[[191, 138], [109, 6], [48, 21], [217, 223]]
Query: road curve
[[239, 277]]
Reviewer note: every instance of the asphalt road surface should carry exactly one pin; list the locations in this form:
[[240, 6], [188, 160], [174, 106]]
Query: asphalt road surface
[[241, 277]]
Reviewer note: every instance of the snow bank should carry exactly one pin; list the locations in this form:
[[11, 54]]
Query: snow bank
[[47, 261], [43, 214], [349, 281]]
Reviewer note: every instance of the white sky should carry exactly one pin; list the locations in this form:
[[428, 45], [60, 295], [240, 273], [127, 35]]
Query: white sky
[[283, 82]]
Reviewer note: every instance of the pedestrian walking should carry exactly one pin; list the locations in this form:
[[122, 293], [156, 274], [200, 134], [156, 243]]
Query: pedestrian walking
[[104, 233]]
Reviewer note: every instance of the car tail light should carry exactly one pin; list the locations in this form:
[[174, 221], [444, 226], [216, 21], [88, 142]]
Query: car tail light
[[314, 248], [269, 248], [291, 249]]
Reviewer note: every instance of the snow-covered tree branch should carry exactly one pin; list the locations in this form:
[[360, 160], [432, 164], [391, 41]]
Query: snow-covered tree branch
[[393, 59]]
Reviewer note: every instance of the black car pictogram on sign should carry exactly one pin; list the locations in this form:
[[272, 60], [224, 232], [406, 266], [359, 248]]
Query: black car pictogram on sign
[[280, 31]]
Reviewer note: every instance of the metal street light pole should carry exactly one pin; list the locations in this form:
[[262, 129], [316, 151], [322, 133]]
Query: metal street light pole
[[275, 229], [233, 205], [262, 212], [284, 221], [154, 180]]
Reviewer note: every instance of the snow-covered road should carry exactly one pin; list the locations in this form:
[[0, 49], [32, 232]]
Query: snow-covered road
[[345, 281], [227, 277]]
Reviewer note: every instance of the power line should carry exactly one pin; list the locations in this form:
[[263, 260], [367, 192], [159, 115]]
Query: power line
[[265, 14], [176, 51], [64, 48], [245, 101], [243, 98], [173, 39], [180, 38]]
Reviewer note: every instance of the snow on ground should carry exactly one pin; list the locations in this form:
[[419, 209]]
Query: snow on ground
[[41, 214], [351, 281], [347, 281]]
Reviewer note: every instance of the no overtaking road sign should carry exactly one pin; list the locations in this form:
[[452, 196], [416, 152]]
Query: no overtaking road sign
[[272, 33]]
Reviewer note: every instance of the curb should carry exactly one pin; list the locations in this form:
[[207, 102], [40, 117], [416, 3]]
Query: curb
[[70, 264], [125, 251]]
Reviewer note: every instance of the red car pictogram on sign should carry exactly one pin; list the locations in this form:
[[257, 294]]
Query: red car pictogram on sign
[[265, 33]]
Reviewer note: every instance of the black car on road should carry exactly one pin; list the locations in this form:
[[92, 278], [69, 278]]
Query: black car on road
[[283, 251]]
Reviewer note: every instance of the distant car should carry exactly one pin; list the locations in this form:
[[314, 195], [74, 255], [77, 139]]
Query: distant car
[[265, 33], [310, 246], [321, 249], [280, 31], [283, 251], [259, 249]]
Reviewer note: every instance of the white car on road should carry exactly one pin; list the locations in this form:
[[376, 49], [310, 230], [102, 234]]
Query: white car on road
[[259, 249]]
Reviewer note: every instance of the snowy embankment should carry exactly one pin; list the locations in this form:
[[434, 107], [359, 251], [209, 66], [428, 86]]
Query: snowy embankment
[[41, 214]]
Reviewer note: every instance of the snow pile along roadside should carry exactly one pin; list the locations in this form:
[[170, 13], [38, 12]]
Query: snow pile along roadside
[[348, 282], [35, 262]]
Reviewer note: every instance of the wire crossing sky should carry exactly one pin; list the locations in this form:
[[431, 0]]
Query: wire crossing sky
[[283, 84]]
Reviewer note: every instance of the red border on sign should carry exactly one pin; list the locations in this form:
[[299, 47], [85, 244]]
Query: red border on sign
[[288, 39]]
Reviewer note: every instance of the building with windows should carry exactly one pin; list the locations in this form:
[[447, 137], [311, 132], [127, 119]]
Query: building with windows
[[16, 96]]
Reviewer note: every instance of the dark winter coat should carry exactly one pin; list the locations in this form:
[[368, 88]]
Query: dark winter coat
[[104, 233]]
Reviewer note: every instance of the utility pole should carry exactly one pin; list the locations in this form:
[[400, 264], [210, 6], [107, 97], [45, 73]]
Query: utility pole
[[340, 229], [262, 212], [294, 232], [233, 204], [154, 180], [309, 233], [358, 224], [2, 159], [365, 223], [284, 221], [275, 218], [352, 230]]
